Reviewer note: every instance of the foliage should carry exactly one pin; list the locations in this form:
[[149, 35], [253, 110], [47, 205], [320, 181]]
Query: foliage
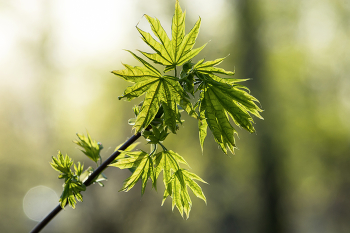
[[166, 97], [219, 99], [91, 147], [74, 181]]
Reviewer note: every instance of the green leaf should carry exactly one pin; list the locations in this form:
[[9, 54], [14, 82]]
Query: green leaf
[[187, 77], [167, 161], [209, 67], [178, 27], [156, 135], [218, 121], [73, 184], [179, 193], [189, 108], [85, 174], [220, 100], [144, 169], [178, 50], [71, 193], [78, 169], [202, 124], [62, 164], [90, 147], [161, 56], [164, 90]]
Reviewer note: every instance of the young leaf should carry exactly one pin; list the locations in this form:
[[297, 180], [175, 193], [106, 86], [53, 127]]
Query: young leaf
[[178, 50], [73, 185], [217, 120], [62, 164], [178, 27], [78, 169], [220, 98], [167, 161], [144, 169], [71, 192], [179, 193], [90, 147], [209, 67], [85, 175], [202, 124], [159, 89], [155, 136]]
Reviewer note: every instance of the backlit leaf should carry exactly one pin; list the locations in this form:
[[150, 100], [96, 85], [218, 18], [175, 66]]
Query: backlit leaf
[[178, 50], [90, 147], [62, 164], [160, 90], [144, 169], [179, 193], [202, 123], [209, 67]]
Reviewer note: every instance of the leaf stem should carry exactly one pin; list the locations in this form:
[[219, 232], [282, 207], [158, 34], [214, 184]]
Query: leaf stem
[[175, 72], [164, 148], [154, 146]]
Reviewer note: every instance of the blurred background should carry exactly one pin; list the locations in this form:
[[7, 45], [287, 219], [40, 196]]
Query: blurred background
[[293, 175]]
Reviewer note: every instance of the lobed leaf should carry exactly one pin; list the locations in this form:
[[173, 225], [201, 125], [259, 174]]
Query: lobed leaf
[[179, 193], [178, 28], [178, 50], [144, 169], [167, 161], [220, 98], [161, 56], [90, 147], [160, 90], [209, 67], [202, 123], [62, 164], [217, 120], [71, 193]]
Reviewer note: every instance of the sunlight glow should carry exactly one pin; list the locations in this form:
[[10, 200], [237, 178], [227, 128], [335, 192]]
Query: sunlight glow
[[38, 202]]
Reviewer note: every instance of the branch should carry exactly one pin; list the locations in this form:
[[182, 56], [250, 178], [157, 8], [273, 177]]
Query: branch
[[87, 182]]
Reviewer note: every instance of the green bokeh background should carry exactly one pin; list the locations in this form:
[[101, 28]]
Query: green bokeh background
[[293, 175]]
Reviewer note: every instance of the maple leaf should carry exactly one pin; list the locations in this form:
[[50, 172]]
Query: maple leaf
[[168, 161], [160, 90], [177, 189], [176, 180], [143, 164], [219, 99], [178, 50]]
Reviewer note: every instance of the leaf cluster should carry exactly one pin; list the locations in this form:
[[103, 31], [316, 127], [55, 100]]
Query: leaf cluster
[[198, 89], [90, 147], [219, 98], [74, 180], [73, 184], [149, 166], [219, 102]]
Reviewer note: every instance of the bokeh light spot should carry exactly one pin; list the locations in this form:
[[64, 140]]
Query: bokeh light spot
[[38, 202]]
